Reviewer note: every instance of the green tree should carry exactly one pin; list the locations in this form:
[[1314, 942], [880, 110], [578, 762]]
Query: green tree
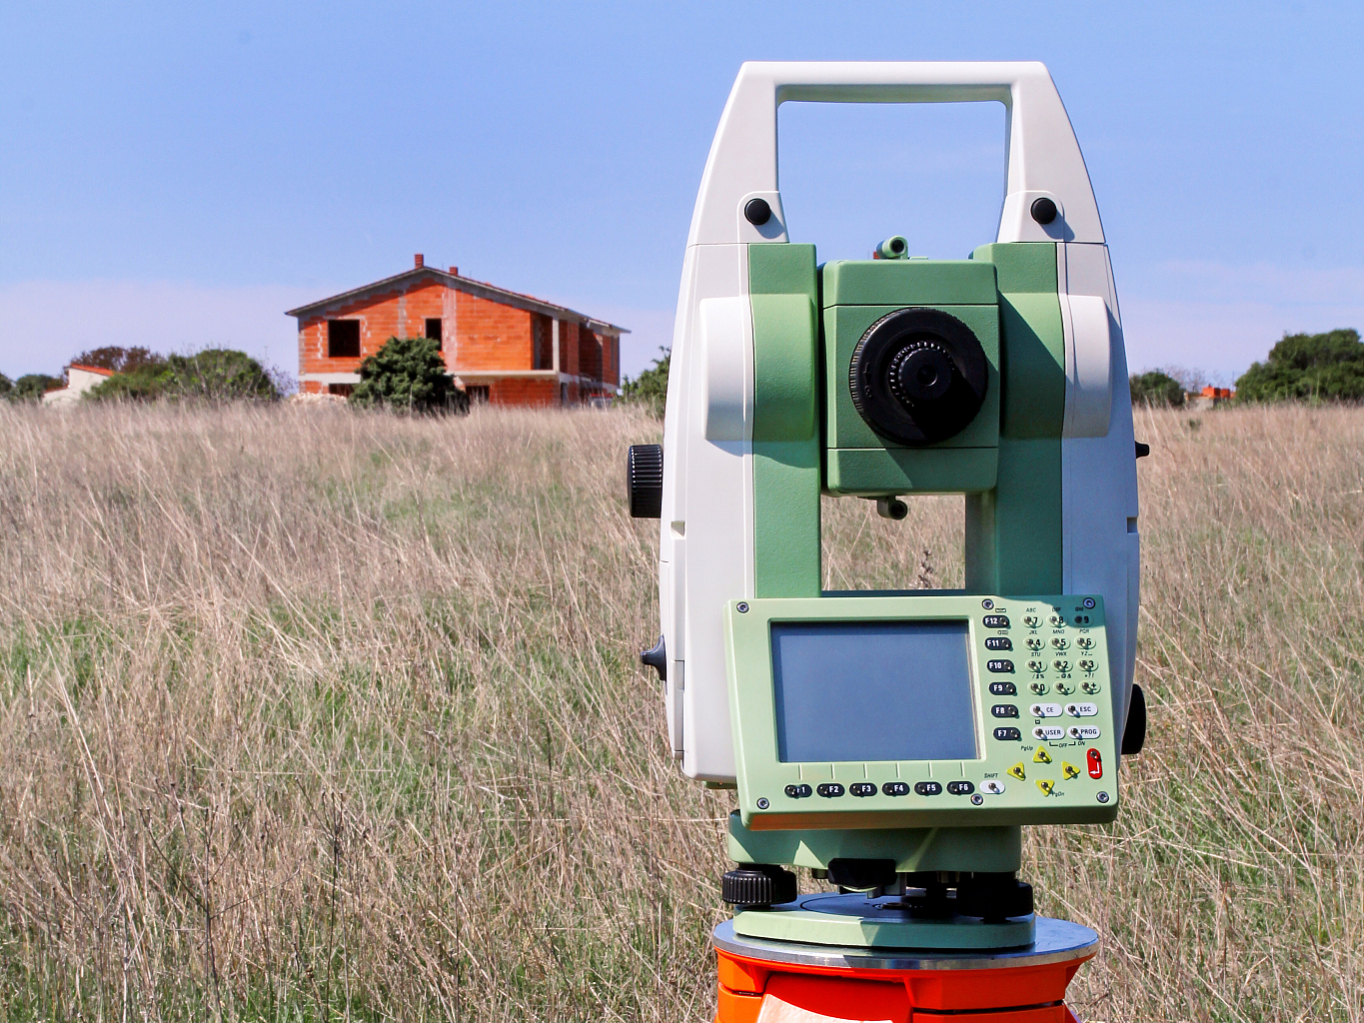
[[650, 388], [1157, 388], [6, 386], [213, 375], [1308, 367], [407, 373], [118, 359], [32, 387]]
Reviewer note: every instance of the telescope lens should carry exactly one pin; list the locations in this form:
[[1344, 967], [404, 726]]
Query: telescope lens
[[918, 376]]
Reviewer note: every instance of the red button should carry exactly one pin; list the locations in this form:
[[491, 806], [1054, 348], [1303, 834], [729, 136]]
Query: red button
[[1095, 762]]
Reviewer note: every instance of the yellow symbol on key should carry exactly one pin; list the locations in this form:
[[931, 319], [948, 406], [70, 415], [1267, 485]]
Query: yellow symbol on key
[[1046, 786], [1041, 756], [1069, 770], [1017, 771]]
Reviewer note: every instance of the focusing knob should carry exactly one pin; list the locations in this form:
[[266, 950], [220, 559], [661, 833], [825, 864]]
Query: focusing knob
[[918, 376], [921, 373], [644, 480], [758, 884]]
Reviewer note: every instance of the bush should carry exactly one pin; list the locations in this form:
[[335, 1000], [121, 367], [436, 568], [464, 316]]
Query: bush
[[118, 359], [407, 373], [6, 386], [1308, 367], [1157, 389], [213, 375], [650, 388], [32, 387]]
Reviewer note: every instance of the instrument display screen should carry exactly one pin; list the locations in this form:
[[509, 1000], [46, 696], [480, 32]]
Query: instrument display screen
[[873, 690]]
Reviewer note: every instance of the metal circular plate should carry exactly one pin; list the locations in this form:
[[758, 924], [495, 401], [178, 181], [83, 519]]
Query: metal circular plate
[[1057, 941]]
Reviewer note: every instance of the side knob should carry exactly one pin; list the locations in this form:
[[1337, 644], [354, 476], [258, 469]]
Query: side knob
[[644, 480], [758, 884]]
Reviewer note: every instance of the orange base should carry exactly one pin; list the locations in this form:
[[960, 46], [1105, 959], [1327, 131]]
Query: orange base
[[753, 990]]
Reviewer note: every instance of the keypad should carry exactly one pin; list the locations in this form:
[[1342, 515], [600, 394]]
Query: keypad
[[960, 788], [895, 788], [993, 786], [996, 621], [1082, 710], [1045, 710], [1040, 688], [928, 788], [1003, 689], [1000, 666], [862, 788], [998, 643], [1083, 731], [1049, 732], [1032, 621], [1004, 710], [1008, 735], [798, 791], [830, 790]]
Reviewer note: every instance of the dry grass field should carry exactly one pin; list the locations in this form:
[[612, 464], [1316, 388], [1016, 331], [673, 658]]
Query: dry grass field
[[312, 715]]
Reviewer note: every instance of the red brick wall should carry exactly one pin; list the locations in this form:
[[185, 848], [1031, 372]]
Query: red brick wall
[[401, 313], [523, 391], [491, 336]]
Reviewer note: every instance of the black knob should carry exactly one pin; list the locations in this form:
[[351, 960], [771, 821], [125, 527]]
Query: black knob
[[860, 875], [1043, 211], [995, 897], [920, 373], [644, 480], [757, 212], [656, 658], [758, 884], [918, 376], [1134, 731]]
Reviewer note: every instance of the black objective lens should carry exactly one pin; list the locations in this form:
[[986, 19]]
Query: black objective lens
[[918, 376]]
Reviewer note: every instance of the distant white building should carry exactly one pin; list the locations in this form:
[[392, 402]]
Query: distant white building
[[79, 379]]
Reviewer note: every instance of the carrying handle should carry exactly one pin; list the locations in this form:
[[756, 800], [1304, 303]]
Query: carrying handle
[[1043, 157]]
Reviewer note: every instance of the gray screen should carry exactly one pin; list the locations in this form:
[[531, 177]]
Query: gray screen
[[872, 691]]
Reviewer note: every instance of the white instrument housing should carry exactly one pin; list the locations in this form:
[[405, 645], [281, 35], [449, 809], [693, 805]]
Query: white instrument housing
[[706, 549]]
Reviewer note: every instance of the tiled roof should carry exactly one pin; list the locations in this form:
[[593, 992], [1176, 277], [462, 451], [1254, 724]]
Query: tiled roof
[[465, 284]]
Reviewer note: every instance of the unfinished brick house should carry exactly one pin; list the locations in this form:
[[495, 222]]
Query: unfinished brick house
[[500, 346]]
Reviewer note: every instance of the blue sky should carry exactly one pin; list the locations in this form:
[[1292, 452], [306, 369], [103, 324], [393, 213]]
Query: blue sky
[[178, 175]]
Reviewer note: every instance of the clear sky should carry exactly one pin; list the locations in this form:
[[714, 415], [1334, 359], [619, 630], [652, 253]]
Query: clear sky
[[178, 175]]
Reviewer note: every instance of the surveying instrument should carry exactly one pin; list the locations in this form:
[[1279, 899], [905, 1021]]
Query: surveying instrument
[[895, 743]]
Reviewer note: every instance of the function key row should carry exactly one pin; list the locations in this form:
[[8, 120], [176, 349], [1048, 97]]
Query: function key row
[[833, 790]]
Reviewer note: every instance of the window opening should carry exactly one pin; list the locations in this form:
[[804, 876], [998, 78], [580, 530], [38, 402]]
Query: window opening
[[343, 339], [542, 340], [478, 393], [434, 330], [344, 390]]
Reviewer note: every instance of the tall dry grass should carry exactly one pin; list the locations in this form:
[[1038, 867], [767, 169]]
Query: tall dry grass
[[307, 714]]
